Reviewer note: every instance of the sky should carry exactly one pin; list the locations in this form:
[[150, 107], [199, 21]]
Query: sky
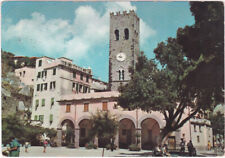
[[80, 30]]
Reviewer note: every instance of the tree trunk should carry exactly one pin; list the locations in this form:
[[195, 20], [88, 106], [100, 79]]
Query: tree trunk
[[164, 136], [103, 152]]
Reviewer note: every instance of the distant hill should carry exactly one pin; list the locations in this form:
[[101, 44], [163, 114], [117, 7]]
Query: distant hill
[[10, 62]]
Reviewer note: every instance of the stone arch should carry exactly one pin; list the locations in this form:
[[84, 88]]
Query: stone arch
[[152, 116], [65, 118], [82, 118], [150, 133], [85, 127], [123, 116], [126, 132]]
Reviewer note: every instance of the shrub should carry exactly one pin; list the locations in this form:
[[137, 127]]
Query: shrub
[[134, 147], [108, 146], [71, 145], [90, 145]]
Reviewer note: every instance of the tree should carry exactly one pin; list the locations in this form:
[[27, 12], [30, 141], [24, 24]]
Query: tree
[[177, 85], [103, 125], [203, 42]]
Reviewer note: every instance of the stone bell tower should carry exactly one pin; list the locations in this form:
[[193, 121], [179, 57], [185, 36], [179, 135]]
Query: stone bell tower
[[123, 47]]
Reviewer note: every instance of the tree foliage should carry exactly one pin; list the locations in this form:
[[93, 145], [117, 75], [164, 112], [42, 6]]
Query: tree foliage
[[13, 126], [217, 122]]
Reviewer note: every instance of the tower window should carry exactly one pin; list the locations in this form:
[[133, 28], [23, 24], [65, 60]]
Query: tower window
[[117, 34], [126, 33], [39, 63], [121, 75]]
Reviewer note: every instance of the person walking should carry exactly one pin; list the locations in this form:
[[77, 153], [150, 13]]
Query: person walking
[[209, 145], [182, 146], [45, 143], [26, 146], [14, 150]]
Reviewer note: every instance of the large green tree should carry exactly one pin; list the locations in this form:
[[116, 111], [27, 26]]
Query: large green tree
[[104, 126], [190, 77]]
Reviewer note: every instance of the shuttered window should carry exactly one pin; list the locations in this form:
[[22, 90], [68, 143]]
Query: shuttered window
[[68, 108], [86, 107], [104, 106]]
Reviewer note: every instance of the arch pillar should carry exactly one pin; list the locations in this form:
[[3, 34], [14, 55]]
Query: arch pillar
[[96, 141], [77, 137], [138, 138], [59, 137], [116, 142]]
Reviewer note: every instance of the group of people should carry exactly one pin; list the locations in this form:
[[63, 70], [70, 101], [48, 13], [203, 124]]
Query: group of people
[[13, 148], [191, 148]]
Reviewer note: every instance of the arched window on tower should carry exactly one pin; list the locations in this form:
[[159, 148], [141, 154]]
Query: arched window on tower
[[126, 33], [117, 35], [121, 75]]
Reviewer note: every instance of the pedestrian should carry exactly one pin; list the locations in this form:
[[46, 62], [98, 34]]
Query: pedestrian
[[191, 149], [112, 144], [209, 145], [14, 150], [182, 146], [26, 146], [45, 143]]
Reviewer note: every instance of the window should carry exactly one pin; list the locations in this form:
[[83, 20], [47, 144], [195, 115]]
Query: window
[[200, 129], [51, 118], [74, 85], [38, 87], [35, 117], [41, 118], [126, 33], [198, 139], [85, 89], [195, 128], [121, 75], [117, 34], [52, 85], [24, 73], [39, 63], [80, 88], [45, 72], [36, 104], [82, 132], [41, 87], [43, 102], [104, 106], [87, 79], [74, 74], [52, 102], [20, 73], [54, 71], [86, 107], [46, 86], [68, 108], [39, 75], [81, 76], [77, 87]]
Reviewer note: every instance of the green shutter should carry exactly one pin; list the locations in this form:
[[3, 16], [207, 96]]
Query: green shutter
[[41, 118], [37, 102], [43, 102], [52, 101], [35, 117], [51, 118]]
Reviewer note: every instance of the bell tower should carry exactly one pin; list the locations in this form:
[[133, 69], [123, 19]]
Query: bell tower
[[123, 47]]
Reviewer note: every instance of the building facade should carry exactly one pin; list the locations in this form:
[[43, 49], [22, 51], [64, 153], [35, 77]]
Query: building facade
[[26, 75], [76, 110], [54, 78]]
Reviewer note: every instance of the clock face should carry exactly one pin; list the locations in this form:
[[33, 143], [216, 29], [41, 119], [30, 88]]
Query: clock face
[[121, 57]]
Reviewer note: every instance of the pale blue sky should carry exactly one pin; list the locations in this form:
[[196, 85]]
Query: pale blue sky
[[80, 30]]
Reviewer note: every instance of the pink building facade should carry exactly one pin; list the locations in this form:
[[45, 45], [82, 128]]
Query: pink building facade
[[75, 110]]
